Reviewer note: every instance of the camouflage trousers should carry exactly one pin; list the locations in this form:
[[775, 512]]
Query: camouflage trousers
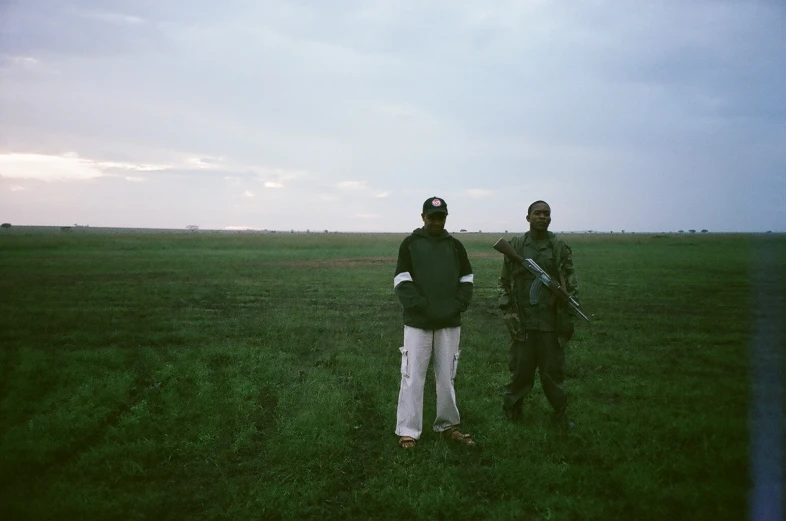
[[530, 352]]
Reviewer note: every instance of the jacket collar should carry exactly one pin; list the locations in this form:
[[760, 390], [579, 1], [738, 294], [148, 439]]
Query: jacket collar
[[421, 232], [529, 240]]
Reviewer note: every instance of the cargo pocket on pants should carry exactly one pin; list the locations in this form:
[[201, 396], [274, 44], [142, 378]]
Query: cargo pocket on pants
[[404, 362], [455, 365]]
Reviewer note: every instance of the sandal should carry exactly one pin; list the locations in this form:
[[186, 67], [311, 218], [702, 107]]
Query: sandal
[[407, 442], [453, 434]]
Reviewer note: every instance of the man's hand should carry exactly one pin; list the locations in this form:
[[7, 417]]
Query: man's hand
[[512, 322]]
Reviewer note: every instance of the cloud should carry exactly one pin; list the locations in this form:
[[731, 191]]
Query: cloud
[[114, 18], [206, 162], [75, 167], [620, 102], [111, 165], [67, 166], [27, 66], [351, 185], [400, 111], [27, 62], [361, 187], [78, 28], [47, 168], [248, 193], [273, 177]]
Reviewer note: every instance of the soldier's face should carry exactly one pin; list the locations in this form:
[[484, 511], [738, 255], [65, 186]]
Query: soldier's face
[[540, 218], [434, 223]]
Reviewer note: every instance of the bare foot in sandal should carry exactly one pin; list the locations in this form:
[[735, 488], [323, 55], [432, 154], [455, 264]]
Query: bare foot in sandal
[[456, 436], [407, 442]]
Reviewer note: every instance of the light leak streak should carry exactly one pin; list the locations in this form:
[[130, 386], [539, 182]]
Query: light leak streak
[[766, 363]]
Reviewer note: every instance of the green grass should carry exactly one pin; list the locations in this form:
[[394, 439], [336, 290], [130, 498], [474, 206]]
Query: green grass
[[255, 376]]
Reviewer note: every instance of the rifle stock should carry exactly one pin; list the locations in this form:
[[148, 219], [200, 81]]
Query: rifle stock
[[558, 291], [507, 250]]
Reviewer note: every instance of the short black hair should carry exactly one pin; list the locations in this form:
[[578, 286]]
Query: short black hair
[[529, 210]]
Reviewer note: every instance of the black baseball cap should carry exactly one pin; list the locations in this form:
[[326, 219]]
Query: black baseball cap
[[434, 205]]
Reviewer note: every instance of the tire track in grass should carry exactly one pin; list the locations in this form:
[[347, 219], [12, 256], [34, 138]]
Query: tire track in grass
[[139, 391], [367, 428], [35, 474], [220, 472], [9, 359]]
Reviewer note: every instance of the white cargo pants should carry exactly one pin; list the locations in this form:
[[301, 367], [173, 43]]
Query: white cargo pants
[[415, 358]]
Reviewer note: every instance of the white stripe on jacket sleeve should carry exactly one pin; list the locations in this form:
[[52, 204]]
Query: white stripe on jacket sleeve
[[468, 278], [404, 276]]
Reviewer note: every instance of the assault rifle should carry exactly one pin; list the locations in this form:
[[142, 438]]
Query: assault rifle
[[541, 277]]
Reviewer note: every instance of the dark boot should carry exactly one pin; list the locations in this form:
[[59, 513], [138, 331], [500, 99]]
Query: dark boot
[[512, 414], [560, 418]]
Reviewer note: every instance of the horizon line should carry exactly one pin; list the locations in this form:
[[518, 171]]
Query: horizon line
[[197, 229]]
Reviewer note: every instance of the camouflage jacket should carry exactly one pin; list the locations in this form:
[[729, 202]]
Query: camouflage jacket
[[525, 307]]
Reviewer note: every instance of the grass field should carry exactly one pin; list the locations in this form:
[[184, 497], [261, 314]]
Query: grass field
[[255, 376]]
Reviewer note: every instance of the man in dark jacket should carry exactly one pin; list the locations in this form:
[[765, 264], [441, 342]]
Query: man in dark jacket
[[433, 283]]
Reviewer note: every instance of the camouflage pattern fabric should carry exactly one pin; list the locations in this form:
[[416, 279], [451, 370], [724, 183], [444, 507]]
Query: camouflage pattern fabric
[[527, 307], [539, 325]]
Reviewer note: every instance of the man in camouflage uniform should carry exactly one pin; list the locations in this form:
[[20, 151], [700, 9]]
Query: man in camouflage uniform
[[538, 323]]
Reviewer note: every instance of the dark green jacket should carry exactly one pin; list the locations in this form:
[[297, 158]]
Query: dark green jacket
[[433, 280]]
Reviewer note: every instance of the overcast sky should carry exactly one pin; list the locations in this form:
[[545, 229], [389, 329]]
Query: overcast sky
[[654, 115]]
